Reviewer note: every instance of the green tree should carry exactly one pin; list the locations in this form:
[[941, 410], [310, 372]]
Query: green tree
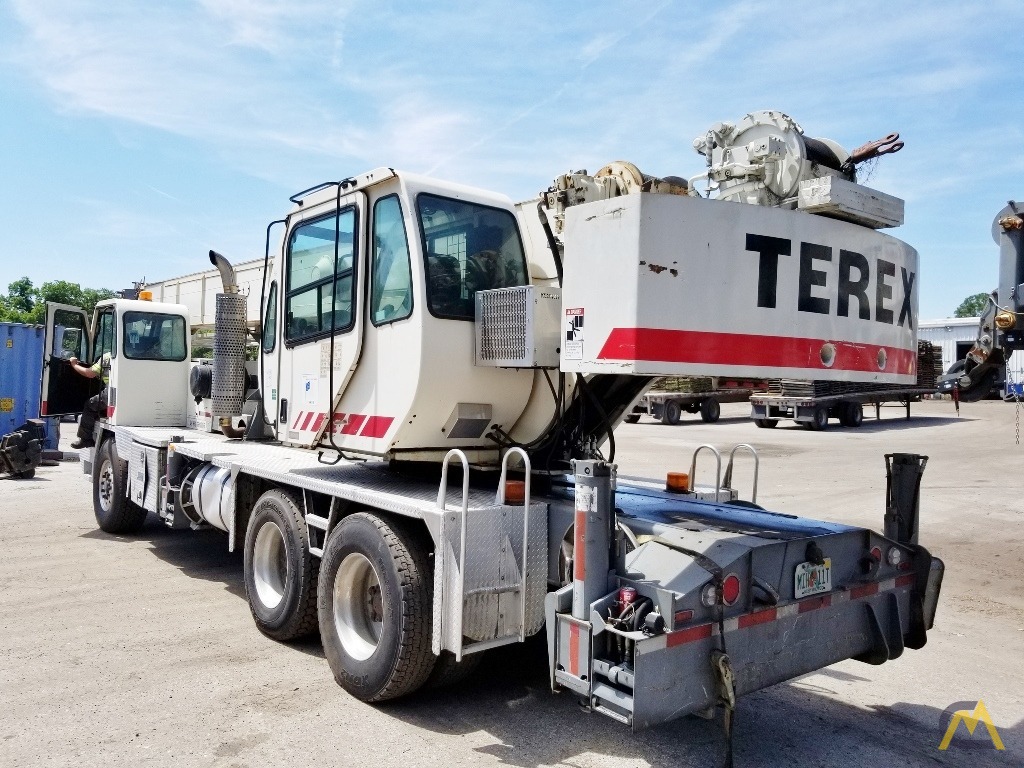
[[24, 303], [972, 306]]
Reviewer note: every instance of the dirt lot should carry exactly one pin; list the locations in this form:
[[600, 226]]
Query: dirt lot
[[141, 651]]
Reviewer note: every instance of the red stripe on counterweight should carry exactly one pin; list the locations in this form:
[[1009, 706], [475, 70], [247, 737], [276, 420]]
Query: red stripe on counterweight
[[297, 420], [355, 421], [320, 418], [711, 348], [758, 617], [865, 591], [688, 635], [305, 424], [815, 603], [377, 426]]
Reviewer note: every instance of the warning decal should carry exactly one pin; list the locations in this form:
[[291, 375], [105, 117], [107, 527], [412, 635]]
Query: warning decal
[[573, 348]]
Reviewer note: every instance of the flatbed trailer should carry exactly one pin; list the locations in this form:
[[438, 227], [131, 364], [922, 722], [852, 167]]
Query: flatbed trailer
[[767, 410], [668, 407]]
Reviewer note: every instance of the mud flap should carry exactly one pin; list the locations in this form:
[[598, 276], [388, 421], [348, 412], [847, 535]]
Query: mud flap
[[886, 632]]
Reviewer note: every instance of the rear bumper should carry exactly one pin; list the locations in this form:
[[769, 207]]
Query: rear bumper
[[674, 675]]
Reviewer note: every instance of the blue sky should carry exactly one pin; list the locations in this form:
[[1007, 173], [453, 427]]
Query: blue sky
[[134, 136]]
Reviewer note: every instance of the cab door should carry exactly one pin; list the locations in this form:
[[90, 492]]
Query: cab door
[[64, 391], [323, 275]]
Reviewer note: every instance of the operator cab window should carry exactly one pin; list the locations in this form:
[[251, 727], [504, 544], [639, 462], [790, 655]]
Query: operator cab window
[[269, 340], [154, 336], [106, 335], [391, 288], [311, 311], [468, 248]]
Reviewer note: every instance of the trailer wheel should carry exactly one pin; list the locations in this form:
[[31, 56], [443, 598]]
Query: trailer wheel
[[114, 512], [280, 573], [375, 608], [852, 415], [670, 412], [632, 418], [819, 419], [766, 423], [710, 410]]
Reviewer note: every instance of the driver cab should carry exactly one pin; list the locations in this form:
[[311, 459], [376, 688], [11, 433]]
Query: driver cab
[[147, 373]]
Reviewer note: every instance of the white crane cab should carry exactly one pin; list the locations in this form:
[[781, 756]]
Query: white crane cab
[[148, 346], [369, 319]]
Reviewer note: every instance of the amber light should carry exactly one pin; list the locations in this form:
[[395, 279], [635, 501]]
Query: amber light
[[145, 295], [515, 492], [677, 482]]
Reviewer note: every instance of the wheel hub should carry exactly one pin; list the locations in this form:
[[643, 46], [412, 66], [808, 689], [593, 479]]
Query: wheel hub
[[105, 488], [270, 565], [358, 606]]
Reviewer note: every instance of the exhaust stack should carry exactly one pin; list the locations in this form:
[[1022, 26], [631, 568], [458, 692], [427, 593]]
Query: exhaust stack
[[229, 377]]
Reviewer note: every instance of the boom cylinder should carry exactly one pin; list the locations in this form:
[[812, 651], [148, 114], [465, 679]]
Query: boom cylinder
[[592, 534]]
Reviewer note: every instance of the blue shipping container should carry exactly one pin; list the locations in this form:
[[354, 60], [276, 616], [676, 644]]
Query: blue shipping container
[[21, 377]]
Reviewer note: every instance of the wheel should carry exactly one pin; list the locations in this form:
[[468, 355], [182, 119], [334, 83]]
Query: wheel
[[26, 474], [632, 418], [710, 410], [448, 672], [766, 423], [819, 419], [670, 412], [280, 573], [852, 415], [375, 608], [114, 512]]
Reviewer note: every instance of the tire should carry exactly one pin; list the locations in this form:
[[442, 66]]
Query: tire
[[819, 419], [670, 412], [27, 474], [852, 415], [448, 672], [766, 423], [280, 573], [632, 418], [378, 649], [710, 410], [114, 512]]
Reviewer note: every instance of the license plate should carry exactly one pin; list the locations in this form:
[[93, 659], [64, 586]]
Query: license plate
[[812, 579]]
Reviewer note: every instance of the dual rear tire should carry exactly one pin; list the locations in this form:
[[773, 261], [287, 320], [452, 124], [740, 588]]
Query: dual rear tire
[[370, 595]]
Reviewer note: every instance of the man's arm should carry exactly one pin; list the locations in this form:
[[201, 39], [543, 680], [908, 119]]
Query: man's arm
[[80, 369]]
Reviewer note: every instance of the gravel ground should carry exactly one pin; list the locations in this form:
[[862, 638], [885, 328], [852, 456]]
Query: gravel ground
[[140, 651]]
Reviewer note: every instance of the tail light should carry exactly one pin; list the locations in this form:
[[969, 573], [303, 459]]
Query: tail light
[[731, 589]]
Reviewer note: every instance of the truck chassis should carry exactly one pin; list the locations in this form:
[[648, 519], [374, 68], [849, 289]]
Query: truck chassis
[[814, 412]]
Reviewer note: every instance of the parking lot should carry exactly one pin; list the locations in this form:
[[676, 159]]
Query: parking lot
[[141, 651]]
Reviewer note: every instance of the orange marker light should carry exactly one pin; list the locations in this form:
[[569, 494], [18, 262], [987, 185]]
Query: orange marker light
[[677, 482], [515, 492]]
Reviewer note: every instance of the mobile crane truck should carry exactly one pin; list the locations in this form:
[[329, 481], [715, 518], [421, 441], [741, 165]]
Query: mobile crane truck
[[410, 326]]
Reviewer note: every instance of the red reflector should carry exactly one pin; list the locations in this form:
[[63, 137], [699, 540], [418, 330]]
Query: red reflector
[[876, 553], [701, 632], [42, 408], [906, 580], [867, 589], [906, 565], [814, 603], [681, 617], [731, 589], [758, 617]]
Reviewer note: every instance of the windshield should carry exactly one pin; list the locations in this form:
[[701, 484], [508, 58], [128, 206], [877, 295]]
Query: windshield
[[468, 248], [154, 336]]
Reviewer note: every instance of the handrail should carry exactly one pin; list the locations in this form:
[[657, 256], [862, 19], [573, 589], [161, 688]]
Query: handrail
[[727, 480], [442, 497], [718, 471], [500, 498]]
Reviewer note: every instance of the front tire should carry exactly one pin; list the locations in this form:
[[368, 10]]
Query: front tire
[[114, 512], [280, 572], [375, 608]]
